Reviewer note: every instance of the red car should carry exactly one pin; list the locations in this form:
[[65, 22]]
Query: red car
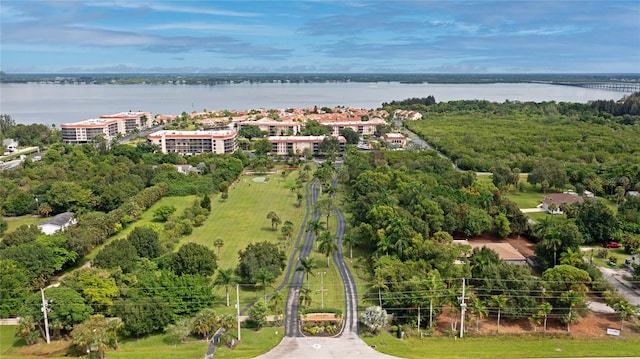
[[612, 245]]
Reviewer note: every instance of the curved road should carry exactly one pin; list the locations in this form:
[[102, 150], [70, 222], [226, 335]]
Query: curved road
[[347, 344]]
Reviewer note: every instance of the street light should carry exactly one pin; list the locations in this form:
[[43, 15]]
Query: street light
[[322, 288]]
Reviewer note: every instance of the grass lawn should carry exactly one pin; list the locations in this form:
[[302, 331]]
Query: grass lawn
[[157, 346], [15, 222], [527, 199], [502, 347], [332, 284], [618, 253], [242, 218]]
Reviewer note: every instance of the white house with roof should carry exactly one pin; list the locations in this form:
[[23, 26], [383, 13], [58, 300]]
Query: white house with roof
[[58, 223], [552, 201]]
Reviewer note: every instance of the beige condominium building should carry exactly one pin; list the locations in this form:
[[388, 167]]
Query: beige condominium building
[[273, 127], [285, 145], [108, 126], [194, 142]]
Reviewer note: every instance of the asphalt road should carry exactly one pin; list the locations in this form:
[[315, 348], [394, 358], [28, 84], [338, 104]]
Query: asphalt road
[[346, 344]]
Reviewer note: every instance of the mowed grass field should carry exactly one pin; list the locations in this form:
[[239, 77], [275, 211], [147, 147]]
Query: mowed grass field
[[242, 218], [502, 347], [253, 344]]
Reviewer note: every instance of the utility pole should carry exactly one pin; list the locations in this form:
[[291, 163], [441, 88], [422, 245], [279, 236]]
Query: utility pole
[[45, 309], [322, 289], [463, 309], [238, 307]]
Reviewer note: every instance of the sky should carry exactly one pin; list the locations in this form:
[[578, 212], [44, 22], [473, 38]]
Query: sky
[[320, 36]]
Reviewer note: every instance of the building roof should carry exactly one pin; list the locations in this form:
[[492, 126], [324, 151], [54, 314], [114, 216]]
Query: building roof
[[302, 138], [560, 198], [505, 251], [192, 134], [128, 114], [60, 220], [91, 123], [397, 136]]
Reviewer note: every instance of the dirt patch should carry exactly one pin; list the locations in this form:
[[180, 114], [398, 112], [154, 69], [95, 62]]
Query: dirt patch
[[593, 326]]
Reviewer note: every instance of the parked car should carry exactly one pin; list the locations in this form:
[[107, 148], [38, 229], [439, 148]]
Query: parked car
[[613, 245]]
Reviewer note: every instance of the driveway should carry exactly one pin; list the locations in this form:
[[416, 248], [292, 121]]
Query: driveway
[[350, 347]]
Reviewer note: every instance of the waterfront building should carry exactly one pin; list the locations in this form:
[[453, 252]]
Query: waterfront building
[[286, 145], [108, 126], [194, 142], [85, 131], [274, 127], [133, 120]]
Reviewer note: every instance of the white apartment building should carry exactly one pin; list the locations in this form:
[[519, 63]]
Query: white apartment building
[[284, 145], [194, 142]]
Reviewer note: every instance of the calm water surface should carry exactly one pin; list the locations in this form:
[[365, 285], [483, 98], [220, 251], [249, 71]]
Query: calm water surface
[[56, 104]]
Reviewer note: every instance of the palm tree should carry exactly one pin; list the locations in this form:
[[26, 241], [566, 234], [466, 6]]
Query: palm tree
[[307, 265], [624, 309], [205, 322], [265, 277], [544, 309], [287, 229], [552, 241], [350, 240], [571, 257], [326, 206], [218, 243], [479, 310], [315, 226], [542, 227], [275, 220], [434, 286], [384, 242], [276, 299], [379, 284], [305, 297], [572, 299], [226, 278], [499, 301], [327, 245]]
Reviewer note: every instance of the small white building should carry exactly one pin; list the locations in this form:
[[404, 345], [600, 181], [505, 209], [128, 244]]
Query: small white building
[[58, 223]]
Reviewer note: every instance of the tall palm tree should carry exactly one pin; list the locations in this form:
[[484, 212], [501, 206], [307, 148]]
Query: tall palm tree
[[544, 309], [552, 241], [326, 206], [434, 286], [350, 240], [499, 301], [305, 297], [479, 310], [275, 220], [384, 242], [327, 245], [307, 265], [218, 243], [287, 229], [227, 278], [572, 299], [315, 226], [276, 299], [379, 284], [265, 277]]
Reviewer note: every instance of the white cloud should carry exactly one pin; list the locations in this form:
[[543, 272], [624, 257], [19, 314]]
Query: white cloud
[[165, 7]]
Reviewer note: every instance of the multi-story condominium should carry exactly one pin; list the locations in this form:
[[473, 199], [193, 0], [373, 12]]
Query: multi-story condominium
[[273, 127], [85, 131], [364, 128], [133, 120], [107, 125], [285, 145], [194, 142]]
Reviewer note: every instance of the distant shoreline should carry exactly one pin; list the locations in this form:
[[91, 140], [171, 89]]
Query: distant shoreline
[[405, 78]]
